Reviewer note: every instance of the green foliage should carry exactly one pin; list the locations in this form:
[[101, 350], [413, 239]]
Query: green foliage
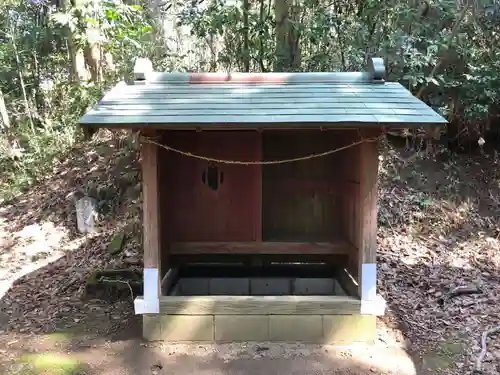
[[446, 52], [43, 101], [50, 364]]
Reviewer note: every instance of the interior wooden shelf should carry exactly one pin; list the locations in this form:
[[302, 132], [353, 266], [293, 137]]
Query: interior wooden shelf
[[339, 247]]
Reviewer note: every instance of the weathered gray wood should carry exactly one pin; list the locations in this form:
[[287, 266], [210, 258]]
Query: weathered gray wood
[[230, 111], [168, 93], [216, 119], [207, 101], [123, 90], [278, 85], [287, 110], [262, 112], [257, 305], [268, 89], [266, 99], [265, 120], [214, 105], [407, 119], [283, 78]]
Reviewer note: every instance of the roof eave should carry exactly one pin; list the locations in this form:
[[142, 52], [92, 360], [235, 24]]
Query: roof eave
[[270, 125]]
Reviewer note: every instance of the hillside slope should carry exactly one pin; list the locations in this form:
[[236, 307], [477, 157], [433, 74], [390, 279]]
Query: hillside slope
[[439, 228]]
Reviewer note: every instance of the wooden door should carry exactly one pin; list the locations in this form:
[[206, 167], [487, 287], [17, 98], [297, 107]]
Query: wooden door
[[210, 201]]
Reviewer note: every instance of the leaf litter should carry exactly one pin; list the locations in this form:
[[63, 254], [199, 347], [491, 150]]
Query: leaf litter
[[439, 229]]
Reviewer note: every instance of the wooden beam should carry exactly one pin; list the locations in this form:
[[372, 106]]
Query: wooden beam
[[351, 126], [256, 259], [367, 256], [151, 213], [259, 305], [299, 248]]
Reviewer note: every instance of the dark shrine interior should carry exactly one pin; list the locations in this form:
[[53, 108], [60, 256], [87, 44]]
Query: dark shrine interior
[[257, 215]]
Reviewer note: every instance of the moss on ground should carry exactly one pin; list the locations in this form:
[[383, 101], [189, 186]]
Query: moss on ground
[[65, 336], [444, 357], [50, 364]]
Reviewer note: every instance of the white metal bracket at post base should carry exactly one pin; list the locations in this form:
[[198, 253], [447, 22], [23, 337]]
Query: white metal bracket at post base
[[371, 303], [142, 306], [150, 303], [373, 307]]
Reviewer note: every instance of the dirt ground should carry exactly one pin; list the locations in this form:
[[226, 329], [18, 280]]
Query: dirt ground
[[96, 337], [439, 230], [47, 328], [73, 352]]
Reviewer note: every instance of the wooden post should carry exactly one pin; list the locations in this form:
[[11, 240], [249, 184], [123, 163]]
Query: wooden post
[[367, 256], [151, 229]]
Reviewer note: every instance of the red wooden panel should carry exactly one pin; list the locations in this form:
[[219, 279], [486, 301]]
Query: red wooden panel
[[301, 201], [192, 210]]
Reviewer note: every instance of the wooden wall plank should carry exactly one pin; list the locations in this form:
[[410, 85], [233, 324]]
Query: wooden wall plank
[[301, 199], [230, 211]]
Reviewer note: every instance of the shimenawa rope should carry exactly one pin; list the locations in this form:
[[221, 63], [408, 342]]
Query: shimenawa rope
[[263, 162]]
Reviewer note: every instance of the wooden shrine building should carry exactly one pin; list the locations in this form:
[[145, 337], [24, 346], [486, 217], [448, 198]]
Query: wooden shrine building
[[260, 199]]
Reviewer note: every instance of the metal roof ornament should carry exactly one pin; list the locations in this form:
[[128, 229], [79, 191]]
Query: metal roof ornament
[[142, 68], [376, 67]]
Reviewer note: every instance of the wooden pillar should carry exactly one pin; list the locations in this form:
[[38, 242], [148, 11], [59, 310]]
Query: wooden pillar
[[367, 217], [151, 228]]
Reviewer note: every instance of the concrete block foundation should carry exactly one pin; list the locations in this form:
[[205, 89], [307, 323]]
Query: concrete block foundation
[[282, 308], [321, 329]]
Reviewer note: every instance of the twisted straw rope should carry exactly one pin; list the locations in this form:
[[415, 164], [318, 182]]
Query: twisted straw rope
[[266, 162]]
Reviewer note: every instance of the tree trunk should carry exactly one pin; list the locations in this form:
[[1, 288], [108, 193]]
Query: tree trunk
[[27, 106], [4, 116], [246, 51], [287, 35], [93, 59], [261, 37], [78, 71]]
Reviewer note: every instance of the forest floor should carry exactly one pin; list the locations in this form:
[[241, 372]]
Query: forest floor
[[439, 229]]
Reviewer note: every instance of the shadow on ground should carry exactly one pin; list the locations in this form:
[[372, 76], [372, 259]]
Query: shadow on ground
[[103, 356], [104, 336], [438, 230]]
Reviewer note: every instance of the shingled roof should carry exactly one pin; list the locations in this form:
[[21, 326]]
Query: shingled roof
[[191, 100]]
